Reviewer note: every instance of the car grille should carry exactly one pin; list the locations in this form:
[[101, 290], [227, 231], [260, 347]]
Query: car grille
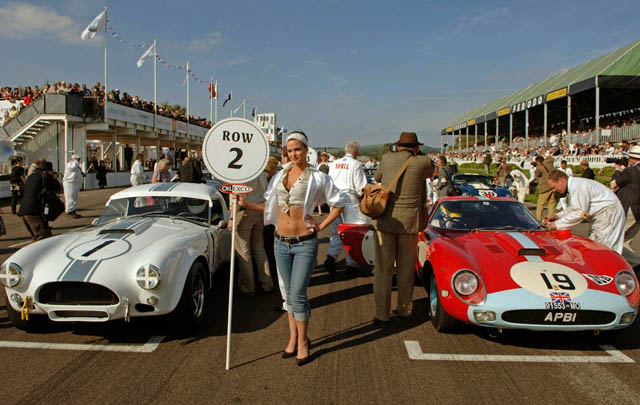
[[558, 317], [80, 314], [76, 293]]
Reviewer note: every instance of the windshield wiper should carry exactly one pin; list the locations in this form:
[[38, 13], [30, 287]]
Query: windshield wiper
[[506, 228]]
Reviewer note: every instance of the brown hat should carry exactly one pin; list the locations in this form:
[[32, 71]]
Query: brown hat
[[408, 139]]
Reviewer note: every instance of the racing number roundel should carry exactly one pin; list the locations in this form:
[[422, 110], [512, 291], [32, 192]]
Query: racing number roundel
[[543, 278], [235, 150]]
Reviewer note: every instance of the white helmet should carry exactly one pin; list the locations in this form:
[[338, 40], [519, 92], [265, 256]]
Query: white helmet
[[196, 206]]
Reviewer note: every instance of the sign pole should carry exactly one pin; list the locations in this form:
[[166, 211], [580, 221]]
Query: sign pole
[[234, 203]]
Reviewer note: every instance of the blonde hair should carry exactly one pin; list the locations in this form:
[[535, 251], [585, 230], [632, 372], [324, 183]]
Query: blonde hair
[[272, 166], [162, 164]]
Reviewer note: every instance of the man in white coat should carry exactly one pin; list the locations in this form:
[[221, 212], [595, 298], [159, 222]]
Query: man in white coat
[[591, 201], [137, 171], [562, 203], [348, 175], [520, 184], [72, 182]]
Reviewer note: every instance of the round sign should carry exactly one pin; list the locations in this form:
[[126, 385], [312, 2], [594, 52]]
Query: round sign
[[544, 278], [236, 189], [312, 157], [235, 150]]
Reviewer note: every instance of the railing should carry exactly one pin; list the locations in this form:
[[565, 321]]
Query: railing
[[595, 161]]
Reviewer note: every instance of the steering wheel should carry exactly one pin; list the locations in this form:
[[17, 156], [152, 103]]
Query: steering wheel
[[452, 221]]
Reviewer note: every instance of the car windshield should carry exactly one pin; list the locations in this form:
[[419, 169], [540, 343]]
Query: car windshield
[[461, 179], [188, 208], [483, 215]]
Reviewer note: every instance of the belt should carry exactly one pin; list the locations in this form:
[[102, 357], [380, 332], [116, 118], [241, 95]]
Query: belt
[[295, 239]]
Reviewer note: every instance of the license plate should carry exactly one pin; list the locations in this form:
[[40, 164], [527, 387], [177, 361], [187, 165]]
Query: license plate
[[562, 305], [559, 317]]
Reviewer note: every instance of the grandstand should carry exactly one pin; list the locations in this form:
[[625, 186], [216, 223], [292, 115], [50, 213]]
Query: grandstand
[[596, 102]]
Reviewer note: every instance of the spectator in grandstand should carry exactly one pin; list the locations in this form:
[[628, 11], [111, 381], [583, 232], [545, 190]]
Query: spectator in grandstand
[[545, 193], [587, 172]]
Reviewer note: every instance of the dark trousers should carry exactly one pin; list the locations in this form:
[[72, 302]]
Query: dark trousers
[[38, 228], [16, 196]]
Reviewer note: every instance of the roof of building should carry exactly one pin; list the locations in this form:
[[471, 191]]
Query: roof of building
[[611, 70]]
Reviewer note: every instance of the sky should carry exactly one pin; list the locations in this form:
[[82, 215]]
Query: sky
[[339, 70]]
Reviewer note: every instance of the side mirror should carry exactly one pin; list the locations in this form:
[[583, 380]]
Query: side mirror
[[95, 222], [223, 225]]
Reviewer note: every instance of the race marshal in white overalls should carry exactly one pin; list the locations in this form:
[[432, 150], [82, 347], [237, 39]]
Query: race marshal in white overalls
[[72, 182], [348, 175]]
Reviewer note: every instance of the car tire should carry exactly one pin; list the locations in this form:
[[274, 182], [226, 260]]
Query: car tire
[[191, 309], [441, 320], [34, 324]]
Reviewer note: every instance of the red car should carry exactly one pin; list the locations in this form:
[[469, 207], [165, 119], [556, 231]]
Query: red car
[[489, 262]]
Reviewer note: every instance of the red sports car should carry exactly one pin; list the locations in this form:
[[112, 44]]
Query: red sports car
[[489, 262]]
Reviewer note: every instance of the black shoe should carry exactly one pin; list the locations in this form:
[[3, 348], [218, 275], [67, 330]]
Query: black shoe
[[352, 271], [302, 362], [330, 265], [380, 323], [287, 355]]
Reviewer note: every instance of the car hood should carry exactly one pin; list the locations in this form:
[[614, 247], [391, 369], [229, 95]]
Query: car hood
[[138, 233], [495, 254]]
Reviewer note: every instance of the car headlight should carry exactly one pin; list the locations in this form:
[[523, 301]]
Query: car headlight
[[10, 274], [626, 282], [469, 287], [148, 277], [465, 283]]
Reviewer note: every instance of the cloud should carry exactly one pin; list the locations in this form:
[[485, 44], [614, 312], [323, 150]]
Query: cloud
[[22, 21], [210, 40], [237, 61]]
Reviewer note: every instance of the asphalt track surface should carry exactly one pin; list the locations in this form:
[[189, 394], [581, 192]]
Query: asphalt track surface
[[353, 362]]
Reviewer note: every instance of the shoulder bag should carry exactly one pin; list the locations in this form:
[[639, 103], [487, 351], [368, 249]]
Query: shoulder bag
[[375, 196], [50, 204]]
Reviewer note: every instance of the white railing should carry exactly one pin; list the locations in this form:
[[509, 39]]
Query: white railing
[[595, 161]]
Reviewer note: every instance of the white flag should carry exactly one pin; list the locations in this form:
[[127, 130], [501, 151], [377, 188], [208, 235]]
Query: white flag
[[98, 24], [239, 107], [145, 55]]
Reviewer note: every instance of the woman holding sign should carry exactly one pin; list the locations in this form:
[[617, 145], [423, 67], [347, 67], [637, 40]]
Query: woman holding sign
[[290, 200]]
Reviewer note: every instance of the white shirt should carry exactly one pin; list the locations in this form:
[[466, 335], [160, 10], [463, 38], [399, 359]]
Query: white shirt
[[532, 173], [566, 171], [136, 169], [320, 190], [73, 173], [348, 175], [553, 140], [586, 196]]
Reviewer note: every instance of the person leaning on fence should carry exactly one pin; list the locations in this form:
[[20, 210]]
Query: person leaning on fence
[[397, 228], [545, 193], [31, 209], [290, 200]]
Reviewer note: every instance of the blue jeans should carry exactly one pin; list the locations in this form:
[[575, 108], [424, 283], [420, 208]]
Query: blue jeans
[[296, 262]]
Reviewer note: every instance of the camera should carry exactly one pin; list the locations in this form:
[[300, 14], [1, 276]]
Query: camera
[[623, 161]]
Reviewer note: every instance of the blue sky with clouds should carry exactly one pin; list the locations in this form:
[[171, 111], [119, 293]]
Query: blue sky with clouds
[[339, 69]]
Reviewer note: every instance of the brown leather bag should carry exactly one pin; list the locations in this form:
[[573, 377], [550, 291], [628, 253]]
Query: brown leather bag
[[375, 196]]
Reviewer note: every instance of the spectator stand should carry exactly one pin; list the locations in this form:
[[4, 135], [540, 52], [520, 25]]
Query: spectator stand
[[598, 100]]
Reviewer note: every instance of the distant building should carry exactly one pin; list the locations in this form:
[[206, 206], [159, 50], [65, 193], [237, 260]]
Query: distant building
[[268, 124]]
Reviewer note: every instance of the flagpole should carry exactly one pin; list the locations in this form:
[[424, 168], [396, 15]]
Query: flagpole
[[155, 91], [211, 99], [187, 104], [244, 109], [106, 89], [216, 110]]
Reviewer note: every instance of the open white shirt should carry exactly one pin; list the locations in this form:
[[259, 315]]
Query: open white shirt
[[320, 190]]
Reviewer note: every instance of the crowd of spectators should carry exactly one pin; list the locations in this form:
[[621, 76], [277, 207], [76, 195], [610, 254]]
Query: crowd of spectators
[[24, 96]]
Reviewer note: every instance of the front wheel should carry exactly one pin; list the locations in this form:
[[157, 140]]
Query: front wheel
[[191, 308], [441, 320], [34, 324]]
